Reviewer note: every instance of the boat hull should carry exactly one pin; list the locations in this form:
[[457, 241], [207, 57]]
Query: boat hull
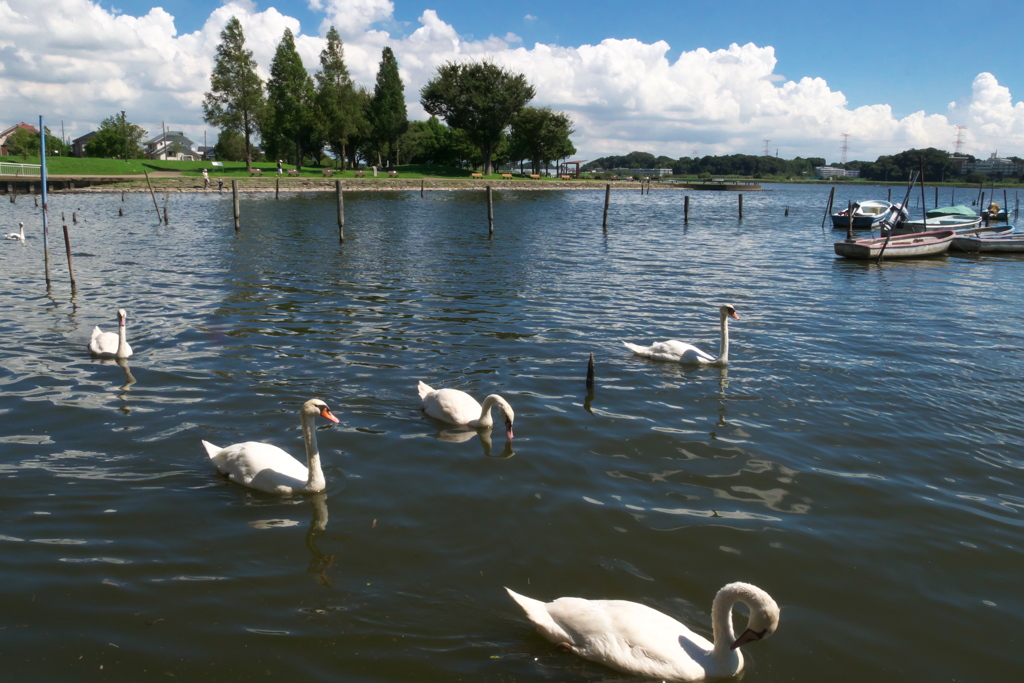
[[913, 245], [866, 215], [1005, 244]]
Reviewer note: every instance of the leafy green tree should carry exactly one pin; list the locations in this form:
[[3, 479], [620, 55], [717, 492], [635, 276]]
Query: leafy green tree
[[542, 136], [115, 137], [23, 143], [236, 97], [479, 98], [339, 105], [290, 115], [231, 147], [387, 114]]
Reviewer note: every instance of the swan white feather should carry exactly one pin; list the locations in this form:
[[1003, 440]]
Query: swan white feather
[[109, 344], [681, 352], [635, 639], [271, 469], [20, 235], [459, 408]]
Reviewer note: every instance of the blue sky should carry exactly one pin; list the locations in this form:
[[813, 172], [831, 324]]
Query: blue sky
[[801, 74]]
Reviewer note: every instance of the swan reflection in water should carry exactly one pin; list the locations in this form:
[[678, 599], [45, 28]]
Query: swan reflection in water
[[464, 435], [320, 561]]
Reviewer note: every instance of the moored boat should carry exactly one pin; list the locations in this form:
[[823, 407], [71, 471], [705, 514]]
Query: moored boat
[[868, 214], [957, 218], [1007, 242], [911, 245]]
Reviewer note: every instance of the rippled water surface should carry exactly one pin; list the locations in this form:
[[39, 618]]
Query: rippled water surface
[[860, 459]]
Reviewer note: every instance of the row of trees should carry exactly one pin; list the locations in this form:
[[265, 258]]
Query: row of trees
[[296, 116], [25, 143]]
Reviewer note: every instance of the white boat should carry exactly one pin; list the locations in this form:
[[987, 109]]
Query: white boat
[[912, 245], [868, 214], [956, 218], [1006, 242]]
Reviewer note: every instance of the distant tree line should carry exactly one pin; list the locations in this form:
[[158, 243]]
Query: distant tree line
[[298, 117], [25, 143]]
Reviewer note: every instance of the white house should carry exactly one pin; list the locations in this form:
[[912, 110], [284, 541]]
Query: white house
[[171, 145]]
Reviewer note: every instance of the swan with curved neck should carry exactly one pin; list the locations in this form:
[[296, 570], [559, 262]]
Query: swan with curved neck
[[20, 235], [635, 639], [108, 344], [680, 352], [268, 468], [459, 408]]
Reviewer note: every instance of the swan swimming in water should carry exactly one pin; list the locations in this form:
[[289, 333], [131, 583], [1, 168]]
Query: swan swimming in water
[[108, 344], [459, 408], [680, 352], [268, 468], [20, 235], [635, 639]]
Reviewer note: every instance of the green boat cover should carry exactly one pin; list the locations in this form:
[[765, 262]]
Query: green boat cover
[[958, 210]]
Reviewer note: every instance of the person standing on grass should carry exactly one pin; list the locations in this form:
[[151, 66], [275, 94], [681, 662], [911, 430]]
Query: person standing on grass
[[206, 180], [279, 171]]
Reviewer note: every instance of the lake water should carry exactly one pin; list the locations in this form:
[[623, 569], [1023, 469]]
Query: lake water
[[861, 459]]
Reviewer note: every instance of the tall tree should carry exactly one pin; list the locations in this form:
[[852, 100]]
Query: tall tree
[[290, 97], [388, 116], [542, 136], [480, 98], [235, 100], [338, 103], [116, 138]]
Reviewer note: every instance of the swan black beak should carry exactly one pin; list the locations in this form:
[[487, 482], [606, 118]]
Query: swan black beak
[[326, 413], [747, 636]]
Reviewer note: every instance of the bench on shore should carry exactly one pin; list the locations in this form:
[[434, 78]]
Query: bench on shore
[[506, 176], [327, 172], [535, 176], [359, 174], [293, 171], [477, 175], [567, 177], [393, 174], [256, 172]]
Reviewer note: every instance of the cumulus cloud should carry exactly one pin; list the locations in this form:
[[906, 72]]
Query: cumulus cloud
[[75, 61]]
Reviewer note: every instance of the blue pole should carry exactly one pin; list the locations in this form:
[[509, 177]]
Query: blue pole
[[42, 172]]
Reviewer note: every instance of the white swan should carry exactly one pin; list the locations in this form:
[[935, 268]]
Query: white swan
[[20, 235], [680, 352], [108, 344], [268, 468], [635, 639], [459, 408]]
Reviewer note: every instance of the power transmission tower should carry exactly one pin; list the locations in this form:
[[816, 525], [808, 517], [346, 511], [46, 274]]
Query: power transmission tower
[[767, 148], [960, 139], [846, 146]]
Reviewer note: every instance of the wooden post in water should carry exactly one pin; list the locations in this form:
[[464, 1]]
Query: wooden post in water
[[686, 208], [234, 202], [936, 197], [341, 210], [122, 195], [153, 195], [787, 210], [890, 196], [120, 211], [741, 205], [277, 188], [849, 221], [71, 266], [490, 212], [607, 200], [46, 209], [74, 216], [828, 206], [590, 373], [423, 184]]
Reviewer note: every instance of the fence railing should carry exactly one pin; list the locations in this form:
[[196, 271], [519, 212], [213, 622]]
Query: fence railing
[[19, 169]]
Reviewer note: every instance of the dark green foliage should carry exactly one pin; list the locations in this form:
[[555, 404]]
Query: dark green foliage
[[481, 99], [541, 136], [25, 143], [235, 100], [289, 122], [387, 113], [341, 116], [114, 137], [231, 147]]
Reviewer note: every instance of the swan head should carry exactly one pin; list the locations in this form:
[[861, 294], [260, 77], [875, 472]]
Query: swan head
[[764, 612], [315, 406], [728, 311], [507, 411], [122, 317]]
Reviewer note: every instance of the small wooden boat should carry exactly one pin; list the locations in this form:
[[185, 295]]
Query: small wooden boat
[[912, 245], [867, 214], [957, 218], [1007, 242]]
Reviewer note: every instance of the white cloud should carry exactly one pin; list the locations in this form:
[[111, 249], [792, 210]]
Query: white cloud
[[75, 61], [530, 17]]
